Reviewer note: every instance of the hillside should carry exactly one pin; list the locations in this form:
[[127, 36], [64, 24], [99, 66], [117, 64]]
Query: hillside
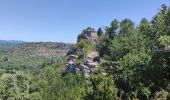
[[30, 55], [11, 42], [5, 45], [41, 49]]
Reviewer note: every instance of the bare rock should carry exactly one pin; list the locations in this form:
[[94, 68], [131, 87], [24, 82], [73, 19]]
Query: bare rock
[[88, 61], [70, 62], [73, 56], [71, 69], [72, 51], [81, 66], [97, 59], [72, 59]]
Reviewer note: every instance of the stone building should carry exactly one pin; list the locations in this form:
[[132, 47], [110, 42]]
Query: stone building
[[91, 34]]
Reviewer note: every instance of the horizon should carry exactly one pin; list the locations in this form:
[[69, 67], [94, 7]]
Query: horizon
[[62, 21], [33, 41]]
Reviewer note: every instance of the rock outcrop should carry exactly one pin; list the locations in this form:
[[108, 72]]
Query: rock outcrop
[[91, 59], [88, 66]]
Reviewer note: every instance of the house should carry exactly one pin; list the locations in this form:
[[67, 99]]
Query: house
[[88, 34], [91, 34]]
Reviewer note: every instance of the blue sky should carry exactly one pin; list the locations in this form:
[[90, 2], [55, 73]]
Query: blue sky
[[63, 20]]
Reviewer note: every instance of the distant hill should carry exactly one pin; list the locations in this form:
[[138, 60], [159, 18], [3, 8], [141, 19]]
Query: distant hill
[[5, 45], [41, 49], [14, 49], [11, 42], [26, 55]]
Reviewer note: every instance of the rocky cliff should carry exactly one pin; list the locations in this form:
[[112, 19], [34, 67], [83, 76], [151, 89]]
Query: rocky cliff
[[87, 66], [91, 59], [42, 49]]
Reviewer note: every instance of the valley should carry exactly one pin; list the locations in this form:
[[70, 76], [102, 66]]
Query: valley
[[22, 56]]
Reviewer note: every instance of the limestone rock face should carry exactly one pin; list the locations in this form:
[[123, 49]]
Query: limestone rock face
[[39, 49], [88, 66], [72, 51]]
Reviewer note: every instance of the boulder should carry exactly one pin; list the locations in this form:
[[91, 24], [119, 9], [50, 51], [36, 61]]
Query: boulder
[[72, 51], [97, 59], [88, 61], [87, 67], [92, 69], [70, 62], [71, 59], [92, 65], [71, 69], [81, 67], [87, 71], [77, 69], [73, 56]]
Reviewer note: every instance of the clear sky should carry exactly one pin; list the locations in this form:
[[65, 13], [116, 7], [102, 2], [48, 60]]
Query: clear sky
[[63, 20]]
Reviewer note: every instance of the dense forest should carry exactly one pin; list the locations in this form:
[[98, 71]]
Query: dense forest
[[135, 65]]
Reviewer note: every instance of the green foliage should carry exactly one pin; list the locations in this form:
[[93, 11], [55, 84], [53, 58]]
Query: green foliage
[[125, 26], [53, 86], [111, 30], [134, 68], [142, 57], [165, 40], [4, 58], [84, 46], [116, 48], [101, 87], [7, 88], [100, 32], [15, 87]]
